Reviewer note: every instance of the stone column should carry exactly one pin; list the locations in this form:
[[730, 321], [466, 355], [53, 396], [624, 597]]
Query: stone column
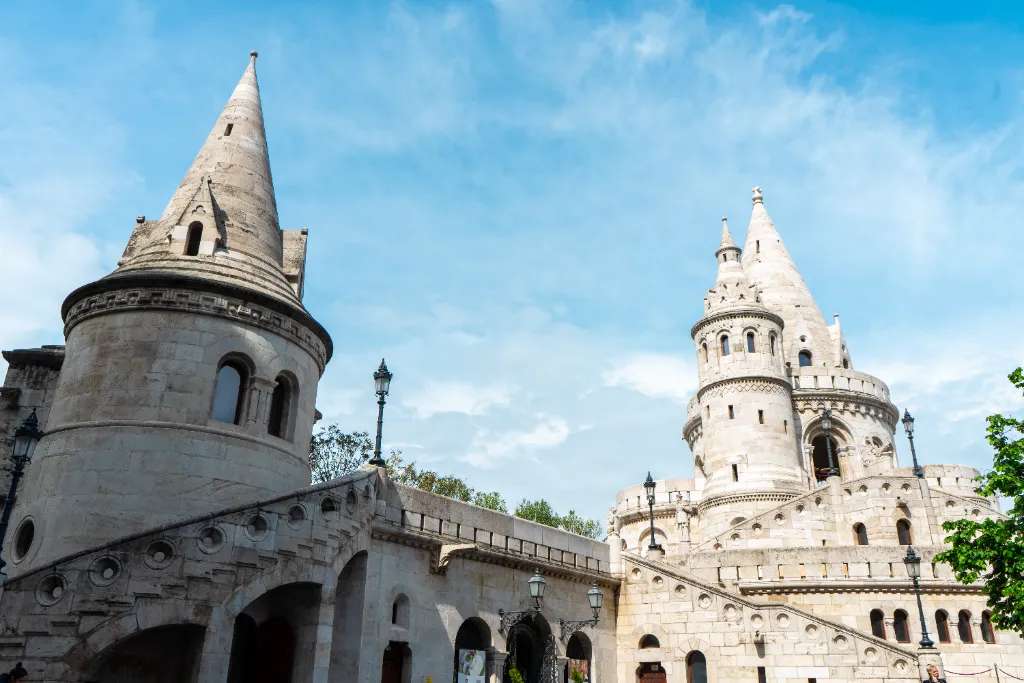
[[495, 665]]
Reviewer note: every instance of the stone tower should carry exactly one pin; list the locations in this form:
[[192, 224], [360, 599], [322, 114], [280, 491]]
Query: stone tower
[[191, 370], [747, 454]]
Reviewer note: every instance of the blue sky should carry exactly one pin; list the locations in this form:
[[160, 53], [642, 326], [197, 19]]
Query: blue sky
[[517, 203]]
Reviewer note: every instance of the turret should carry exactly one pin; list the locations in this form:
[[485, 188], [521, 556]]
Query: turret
[[747, 450], [190, 372]]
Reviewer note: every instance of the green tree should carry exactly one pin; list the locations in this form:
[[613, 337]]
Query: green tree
[[539, 511], [491, 500], [334, 453], [993, 549], [570, 521]]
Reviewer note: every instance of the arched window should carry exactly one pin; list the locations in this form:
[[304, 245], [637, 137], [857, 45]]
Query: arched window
[[473, 635], [942, 625], [820, 460], [900, 627], [649, 641], [281, 407], [860, 534], [724, 344], [400, 611], [805, 359], [877, 623], [963, 627], [988, 634], [704, 352], [771, 343], [194, 238], [750, 342], [846, 364], [229, 392], [696, 667], [903, 532]]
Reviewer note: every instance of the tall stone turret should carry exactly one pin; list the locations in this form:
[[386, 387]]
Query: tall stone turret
[[191, 370], [747, 452]]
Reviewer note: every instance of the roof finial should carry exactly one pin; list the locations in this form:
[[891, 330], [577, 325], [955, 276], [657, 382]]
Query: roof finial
[[253, 55], [758, 195]]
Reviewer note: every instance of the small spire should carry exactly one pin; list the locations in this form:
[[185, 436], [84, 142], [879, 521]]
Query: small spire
[[726, 235], [758, 195]]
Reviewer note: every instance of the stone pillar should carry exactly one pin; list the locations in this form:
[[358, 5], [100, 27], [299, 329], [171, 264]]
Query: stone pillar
[[324, 635], [495, 665], [563, 666]]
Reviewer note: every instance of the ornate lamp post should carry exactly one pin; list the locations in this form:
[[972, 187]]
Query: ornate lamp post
[[826, 427], [649, 486], [908, 427], [382, 384], [537, 585], [596, 599], [913, 562], [25, 439]]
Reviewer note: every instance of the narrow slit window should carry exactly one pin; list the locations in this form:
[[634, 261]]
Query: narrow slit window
[[785, 426], [757, 246], [725, 345], [750, 342], [732, 413], [227, 131], [735, 473], [760, 417]]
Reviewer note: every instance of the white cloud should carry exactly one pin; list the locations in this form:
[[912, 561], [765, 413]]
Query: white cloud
[[488, 447], [655, 375], [456, 397]]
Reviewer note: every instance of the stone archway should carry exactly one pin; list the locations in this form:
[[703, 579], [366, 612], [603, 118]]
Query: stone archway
[[532, 651], [164, 654], [580, 655]]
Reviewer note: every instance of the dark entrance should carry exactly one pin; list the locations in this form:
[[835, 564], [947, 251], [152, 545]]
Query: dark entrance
[[578, 652], [651, 673], [531, 650], [396, 665], [264, 653], [820, 456], [167, 654]]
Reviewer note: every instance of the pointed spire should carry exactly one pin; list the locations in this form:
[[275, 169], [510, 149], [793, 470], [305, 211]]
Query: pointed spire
[[771, 269], [229, 190], [726, 236]]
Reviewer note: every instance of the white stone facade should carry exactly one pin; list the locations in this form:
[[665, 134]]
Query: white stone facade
[[166, 531]]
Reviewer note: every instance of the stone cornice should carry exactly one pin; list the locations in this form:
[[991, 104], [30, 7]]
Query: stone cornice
[[725, 499], [748, 312], [888, 585], [808, 399], [661, 511], [50, 357], [168, 291], [741, 380]]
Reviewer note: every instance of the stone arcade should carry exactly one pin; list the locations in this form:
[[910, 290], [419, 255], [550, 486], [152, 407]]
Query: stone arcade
[[165, 530]]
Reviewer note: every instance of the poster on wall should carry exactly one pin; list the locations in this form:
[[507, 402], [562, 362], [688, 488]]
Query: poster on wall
[[579, 669], [472, 666]]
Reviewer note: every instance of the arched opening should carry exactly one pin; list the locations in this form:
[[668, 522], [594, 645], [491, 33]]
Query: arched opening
[[471, 643], [846, 364], [704, 352], [579, 652], [771, 343], [988, 634], [942, 625], [723, 344], [751, 346], [269, 633], [281, 407], [696, 667], [804, 358], [903, 532], [823, 457], [400, 611], [526, 649], [165, 654], [649, 641], [229, 391], [963, 627], [860, 534], [900, 627], [194, 239], [396, 665], [877, 623], [349, 600], [651, 672]]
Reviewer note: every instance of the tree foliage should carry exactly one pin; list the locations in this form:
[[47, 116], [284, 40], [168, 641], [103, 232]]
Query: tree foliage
[[334, 453], [993, 549]]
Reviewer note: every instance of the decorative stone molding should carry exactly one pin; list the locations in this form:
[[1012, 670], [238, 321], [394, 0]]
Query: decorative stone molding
[[756, 313], [173, 292], [762, 384], [729, 499]]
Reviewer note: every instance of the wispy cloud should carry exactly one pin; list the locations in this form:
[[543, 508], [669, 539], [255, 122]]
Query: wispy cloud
[[456, 397], [654, 375], [488, 448]]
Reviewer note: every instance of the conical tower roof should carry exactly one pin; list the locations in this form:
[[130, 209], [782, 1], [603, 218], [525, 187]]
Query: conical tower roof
[[228, 191], [771, 269]]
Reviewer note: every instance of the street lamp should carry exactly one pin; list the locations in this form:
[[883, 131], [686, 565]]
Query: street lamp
[[913, 562], [908, 427], [649, 486], [382, 384], [25, 439], [537, 585], [596, 598], [826, 427]]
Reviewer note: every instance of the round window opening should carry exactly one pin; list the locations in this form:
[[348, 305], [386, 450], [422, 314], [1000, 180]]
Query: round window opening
[[257, 527], [297, 514], [23, 540], [159, 554]]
